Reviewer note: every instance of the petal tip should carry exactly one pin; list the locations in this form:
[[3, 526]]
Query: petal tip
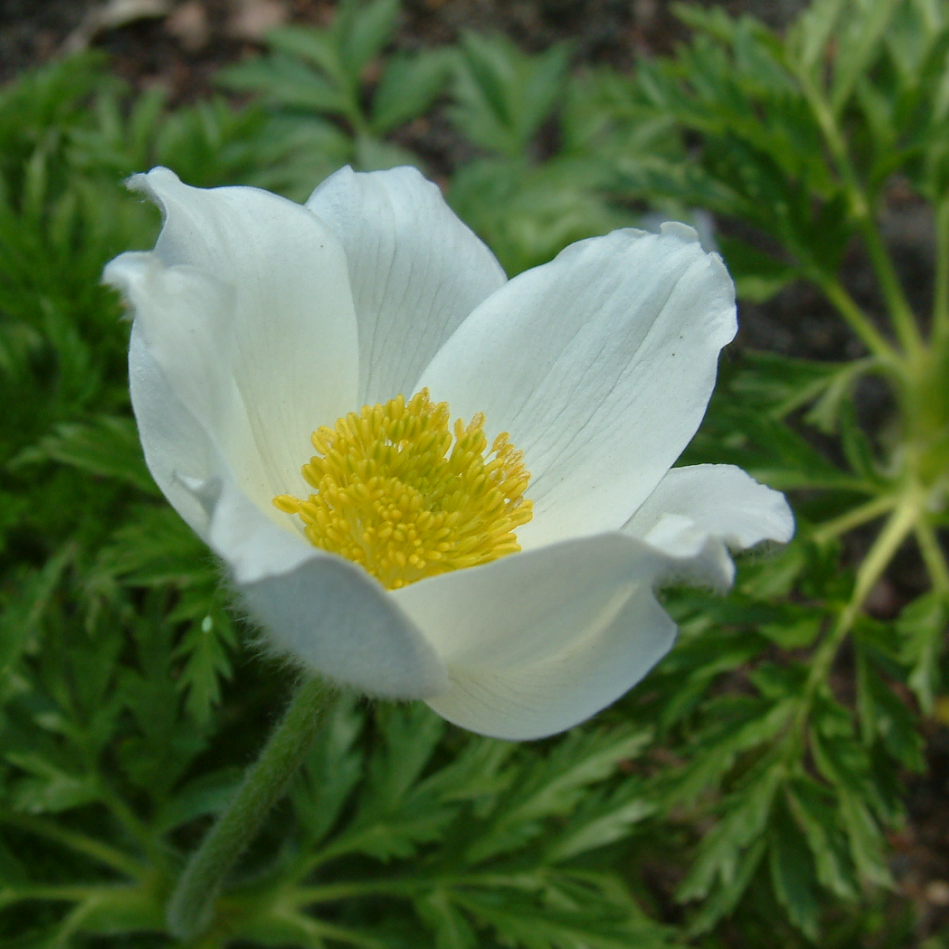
[[122, 271], [684, 232], [155, 184]]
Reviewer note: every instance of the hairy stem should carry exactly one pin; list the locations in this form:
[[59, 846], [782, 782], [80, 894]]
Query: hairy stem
[[190, 907]]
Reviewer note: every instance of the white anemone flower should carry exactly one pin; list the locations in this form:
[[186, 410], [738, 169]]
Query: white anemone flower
[[393, 561]]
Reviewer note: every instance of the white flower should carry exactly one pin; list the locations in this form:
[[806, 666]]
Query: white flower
[[257, 321]]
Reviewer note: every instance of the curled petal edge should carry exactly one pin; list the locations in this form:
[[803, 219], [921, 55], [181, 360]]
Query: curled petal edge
[[698, 514]]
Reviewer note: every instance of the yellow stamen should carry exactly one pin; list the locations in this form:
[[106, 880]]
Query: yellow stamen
[[393, 494]]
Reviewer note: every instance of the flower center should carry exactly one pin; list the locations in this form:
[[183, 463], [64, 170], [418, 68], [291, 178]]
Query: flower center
[[393, 493]]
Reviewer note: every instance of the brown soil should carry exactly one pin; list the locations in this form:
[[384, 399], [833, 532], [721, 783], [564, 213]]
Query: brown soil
[[182, 48]]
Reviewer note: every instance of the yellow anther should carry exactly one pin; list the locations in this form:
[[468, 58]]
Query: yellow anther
[[393, 494]]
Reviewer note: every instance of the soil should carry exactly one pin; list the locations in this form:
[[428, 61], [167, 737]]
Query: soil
[[180, 44]]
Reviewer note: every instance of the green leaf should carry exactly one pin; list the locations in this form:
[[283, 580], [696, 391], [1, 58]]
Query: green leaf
[[857, 446], [503, 96], [154, 548], [49, 788], [395, 814], [737, 724], [161, 743], [736, 839], [554, 786], [846, 766], [857, 46], [792, 873], [320, 47], [373, 154], [883, 716], [780, 385], [528, 215], [23, 610], [452, 930], [738, 433], [921, 626], [602, 818], [758, 276], [726, 897], [553, 928], [812, 32], [363, 30], [408, 87], [108, 447], [114, 910], [287, 82], [205, 649], [812, 805], [207, 794]]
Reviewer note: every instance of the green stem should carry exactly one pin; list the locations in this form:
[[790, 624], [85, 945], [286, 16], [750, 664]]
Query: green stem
[[904, 322], [51, 893], [189, 910], [888, 541], [77, 842], [895, 531], [933, 557], [127, 818], [855, 318], [859, 515], [333, 892], [318, 930]]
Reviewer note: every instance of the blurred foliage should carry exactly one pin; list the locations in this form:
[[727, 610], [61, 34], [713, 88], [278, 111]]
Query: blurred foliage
[[755, 778]]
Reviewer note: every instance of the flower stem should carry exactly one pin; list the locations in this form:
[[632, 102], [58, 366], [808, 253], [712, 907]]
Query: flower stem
[[189, 910]]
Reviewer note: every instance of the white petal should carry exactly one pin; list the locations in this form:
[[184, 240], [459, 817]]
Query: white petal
[[600, 364], [416, 271], [173, 441], [322, 610], [697, 513], [287, 335], [540, 641], [181, 382]]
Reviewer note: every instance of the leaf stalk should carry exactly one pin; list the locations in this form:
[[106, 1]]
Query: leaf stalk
[[904, 321]]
